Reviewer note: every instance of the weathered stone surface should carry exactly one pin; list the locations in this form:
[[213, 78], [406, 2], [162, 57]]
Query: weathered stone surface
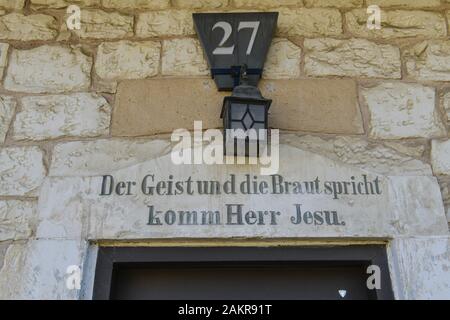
[[334, 3], [165, 23], [309, 22], [355, 57], [420, 268], [16, 26], [362, 154], [88, 158], [183, 57], [61, 217], [283, 60], [17, 219], [63, 3], [21, 171], [440, 157], [177, 102], [12, 4], [429, 60], [400, 110], [447, 105], [445, 190], [304, 105], [405, 3], [51, 117], [398, 24], [7, 109], [98, 24], [136, 4], [127, 60], [415, 151], [405, 205], [200, 4], [66, 69], [38, 269], [3, 58], [297, 105], [265, 3]]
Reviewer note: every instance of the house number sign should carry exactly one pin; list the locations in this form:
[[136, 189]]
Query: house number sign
[[232, 40]]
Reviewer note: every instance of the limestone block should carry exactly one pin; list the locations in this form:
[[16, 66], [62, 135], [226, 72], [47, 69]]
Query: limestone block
[[127, 60], [48, 69], [401, 110], [355, 57], [21, 171], [51, 117]]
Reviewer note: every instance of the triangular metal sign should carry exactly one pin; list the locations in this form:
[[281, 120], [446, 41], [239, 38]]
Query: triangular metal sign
[[232, 40]]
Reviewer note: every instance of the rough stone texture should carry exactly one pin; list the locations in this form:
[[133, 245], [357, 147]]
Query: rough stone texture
[[200, 4], [3, 58], [87, 158], [400, 110], [12, 4], [440, 157], [445, 190], [37, 269], [66, 69], [415, 151], [420, 268], [136, 4], [334, 3], [98, 24], [429, 60], [21, 171], [17, 219], [57, 4], [355, 57], [183, 57], [297, 105], [51, 117], [127, 60], [447, 105], [362, 154], [309, 22], [405, 3], [398, 24], [7, 109], [16, 26], [265, 3], [283, 60], [406, 205], [165, 23]]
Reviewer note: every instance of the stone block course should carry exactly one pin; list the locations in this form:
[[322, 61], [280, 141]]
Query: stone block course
[[401, 110], [48, 69], [351, 58], [51, 117]]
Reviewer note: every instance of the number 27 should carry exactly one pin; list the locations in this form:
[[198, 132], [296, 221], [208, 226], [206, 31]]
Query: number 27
[[227, 29]]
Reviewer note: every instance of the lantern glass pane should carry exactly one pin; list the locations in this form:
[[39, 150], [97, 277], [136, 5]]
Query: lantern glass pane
[[237, 125], [258, 112], [238, 111], [248, 121]]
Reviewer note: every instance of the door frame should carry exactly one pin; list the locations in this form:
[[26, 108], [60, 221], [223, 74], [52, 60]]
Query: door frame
[[110, 257]]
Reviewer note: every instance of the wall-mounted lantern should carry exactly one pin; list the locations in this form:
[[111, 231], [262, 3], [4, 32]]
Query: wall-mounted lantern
[[245, 120], [236, 46]]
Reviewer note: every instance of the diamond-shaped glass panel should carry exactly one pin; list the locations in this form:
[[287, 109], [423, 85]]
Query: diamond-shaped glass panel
[[248, 121]]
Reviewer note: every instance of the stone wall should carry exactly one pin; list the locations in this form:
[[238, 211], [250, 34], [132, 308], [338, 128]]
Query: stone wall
[[372, 99]]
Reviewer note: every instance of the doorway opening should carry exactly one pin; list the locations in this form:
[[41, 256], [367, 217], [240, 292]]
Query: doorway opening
[[240, 273]]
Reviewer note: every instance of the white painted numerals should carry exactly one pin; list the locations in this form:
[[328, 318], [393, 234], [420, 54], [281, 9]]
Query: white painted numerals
[[227, 30]]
